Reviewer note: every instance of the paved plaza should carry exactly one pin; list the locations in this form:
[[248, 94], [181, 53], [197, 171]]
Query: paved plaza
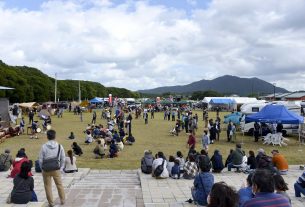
[[127, 188]]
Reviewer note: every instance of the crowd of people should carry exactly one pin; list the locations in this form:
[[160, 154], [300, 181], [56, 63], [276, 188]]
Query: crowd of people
[[264, 181]]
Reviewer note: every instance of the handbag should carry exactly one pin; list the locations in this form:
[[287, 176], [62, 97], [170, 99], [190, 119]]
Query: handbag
[[158, 171], [52, 163]]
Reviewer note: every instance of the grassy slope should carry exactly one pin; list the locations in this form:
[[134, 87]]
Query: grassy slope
[[154, 136]]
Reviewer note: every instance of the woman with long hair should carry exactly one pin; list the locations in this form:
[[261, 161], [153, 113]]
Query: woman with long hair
[[70, 163], [222, 195], [23, 191]]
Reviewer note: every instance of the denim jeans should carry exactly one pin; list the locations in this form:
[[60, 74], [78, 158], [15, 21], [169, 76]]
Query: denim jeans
[[298, 189]]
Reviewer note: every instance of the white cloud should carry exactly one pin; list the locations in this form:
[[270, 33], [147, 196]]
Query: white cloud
[[137, 45]]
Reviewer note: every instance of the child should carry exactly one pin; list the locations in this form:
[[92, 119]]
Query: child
[[175, 173], [113, 150], [205, 140], [71, 136], [89, 138]]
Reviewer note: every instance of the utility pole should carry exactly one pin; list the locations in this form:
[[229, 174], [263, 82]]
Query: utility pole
[[55, 94], [79, 92], [274, 84]]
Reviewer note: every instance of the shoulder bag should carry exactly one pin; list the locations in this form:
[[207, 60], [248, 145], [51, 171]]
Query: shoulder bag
[[52, 163]]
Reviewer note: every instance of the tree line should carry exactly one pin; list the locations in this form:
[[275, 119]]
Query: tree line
[[30, 84]]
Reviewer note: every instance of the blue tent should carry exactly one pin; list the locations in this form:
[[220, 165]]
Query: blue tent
[[96, 100], [233, 117], [275, 114]]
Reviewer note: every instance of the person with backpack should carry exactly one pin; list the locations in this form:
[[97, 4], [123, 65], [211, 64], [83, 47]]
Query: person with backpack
[[146, 162], [52, 162], [159, 169], [6, 161]]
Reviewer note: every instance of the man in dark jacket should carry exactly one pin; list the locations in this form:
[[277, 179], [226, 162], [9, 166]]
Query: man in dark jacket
[[237, 157], [146, 162]]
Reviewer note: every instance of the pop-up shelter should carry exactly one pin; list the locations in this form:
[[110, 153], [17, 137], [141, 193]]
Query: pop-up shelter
[[96, 100], [275, 114]]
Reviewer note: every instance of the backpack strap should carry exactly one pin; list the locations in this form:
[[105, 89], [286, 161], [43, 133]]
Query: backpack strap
[[58, 151]]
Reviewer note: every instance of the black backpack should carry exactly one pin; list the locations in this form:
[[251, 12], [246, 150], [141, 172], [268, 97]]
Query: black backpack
[[159, 170], [147, 169]]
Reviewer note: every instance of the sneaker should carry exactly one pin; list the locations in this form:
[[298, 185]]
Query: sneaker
[[189, 201]]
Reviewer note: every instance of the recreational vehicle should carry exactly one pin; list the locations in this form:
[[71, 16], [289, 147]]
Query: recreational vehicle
[[247, 109]]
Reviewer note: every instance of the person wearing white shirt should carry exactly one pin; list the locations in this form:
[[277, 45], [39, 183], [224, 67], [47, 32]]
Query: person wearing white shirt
[[89, 137], [70, 163], [158, 161]]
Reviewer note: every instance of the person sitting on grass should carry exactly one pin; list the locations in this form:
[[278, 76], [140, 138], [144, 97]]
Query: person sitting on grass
[[217, 164], [245, 193], [281, 186], [119, 143], [23, 191], [299, 186], [70, 163], [99, 151], [160, 160], [71, 136], [130, 140], [263, 188], [113, 150], [89, 138], [222, 195], [76, 149], [190, 168], [122, 133], [203, 183]]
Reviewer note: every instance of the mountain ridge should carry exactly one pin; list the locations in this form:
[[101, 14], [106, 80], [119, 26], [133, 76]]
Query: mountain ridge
[[226, 84]]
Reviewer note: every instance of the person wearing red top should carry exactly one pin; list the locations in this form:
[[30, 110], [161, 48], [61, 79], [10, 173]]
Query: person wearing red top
[[191, 141], [20, 158]]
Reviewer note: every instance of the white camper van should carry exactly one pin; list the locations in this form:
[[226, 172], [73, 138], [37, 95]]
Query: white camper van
[[247, 109]]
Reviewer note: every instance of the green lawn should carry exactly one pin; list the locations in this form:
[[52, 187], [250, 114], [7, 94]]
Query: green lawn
[[154, 136]]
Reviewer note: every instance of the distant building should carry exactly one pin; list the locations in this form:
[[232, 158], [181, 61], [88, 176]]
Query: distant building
[[296, 96], [276, 96]]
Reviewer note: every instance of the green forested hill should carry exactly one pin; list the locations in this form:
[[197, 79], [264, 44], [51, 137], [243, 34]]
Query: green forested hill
[[32, 85]]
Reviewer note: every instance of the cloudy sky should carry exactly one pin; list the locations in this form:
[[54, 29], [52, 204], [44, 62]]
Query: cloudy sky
[[151, 43]]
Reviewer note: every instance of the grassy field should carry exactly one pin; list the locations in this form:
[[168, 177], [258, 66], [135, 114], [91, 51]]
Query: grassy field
[[154, 136]]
